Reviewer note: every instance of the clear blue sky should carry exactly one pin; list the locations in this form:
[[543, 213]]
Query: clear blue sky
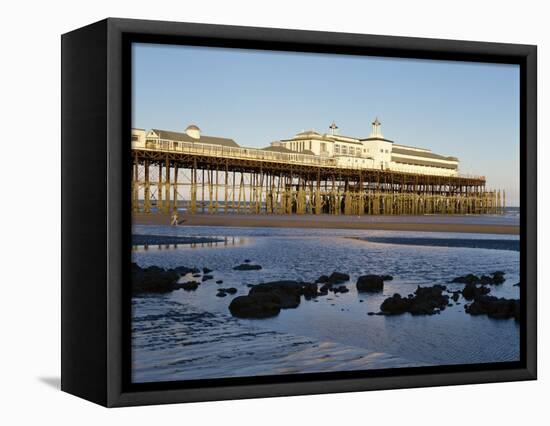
[[468, 110]]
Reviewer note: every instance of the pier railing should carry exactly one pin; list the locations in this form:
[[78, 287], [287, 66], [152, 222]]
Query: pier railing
[[238, 153]]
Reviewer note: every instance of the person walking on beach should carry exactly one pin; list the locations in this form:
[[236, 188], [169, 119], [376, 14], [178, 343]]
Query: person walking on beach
[[174, 221]]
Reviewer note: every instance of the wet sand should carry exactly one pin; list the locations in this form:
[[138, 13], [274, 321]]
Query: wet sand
[[451, 223]]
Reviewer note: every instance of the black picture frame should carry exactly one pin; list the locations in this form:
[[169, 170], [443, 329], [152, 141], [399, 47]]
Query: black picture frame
[[96, 99]]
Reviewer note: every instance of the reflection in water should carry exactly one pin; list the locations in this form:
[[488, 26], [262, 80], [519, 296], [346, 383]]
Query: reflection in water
[[224, 242]]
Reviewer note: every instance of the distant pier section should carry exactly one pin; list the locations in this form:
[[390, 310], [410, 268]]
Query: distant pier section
[[310, 173]]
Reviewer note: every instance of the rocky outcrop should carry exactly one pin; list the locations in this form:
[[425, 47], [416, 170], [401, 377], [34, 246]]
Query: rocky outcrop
[[471, 291], [259, 305], [370, 283], [496, 278], [183, 270], [247, 267], [322, 279], [267, 299], [207, 277], [466, 279], [153, 279], [288, 292], [425, 301], [310, 290], [222, 292], [189, 286], [494, 307], [339, 289], [337, 278]]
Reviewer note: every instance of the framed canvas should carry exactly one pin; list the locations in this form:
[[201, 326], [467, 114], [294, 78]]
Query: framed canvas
[[254, 212]]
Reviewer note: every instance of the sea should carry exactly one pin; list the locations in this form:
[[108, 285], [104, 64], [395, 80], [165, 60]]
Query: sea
[[188, 335]]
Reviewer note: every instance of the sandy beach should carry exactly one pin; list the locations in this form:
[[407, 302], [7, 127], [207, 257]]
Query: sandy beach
[[464, 224]]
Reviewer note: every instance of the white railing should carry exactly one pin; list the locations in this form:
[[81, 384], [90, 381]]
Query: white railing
[[233, 152], [211, 150]]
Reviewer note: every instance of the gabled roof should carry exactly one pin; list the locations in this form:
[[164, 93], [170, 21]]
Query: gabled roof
[[184, 137]]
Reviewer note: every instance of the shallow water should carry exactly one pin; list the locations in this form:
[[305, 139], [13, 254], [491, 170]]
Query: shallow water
[[185, 335]]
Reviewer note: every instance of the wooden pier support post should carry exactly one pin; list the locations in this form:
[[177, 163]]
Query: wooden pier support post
[[210, 174], [175, 189], [226, 190], [146, 188], [159, 190], [135, 187], [194, 187], [167, 188]]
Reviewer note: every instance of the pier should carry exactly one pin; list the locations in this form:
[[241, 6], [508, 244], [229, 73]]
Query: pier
[[217, 179]]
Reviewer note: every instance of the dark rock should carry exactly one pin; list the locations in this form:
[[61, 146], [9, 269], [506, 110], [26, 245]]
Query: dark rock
[[230, 290], [395, 305], [221, 294], [338, 278], [455, 296], [183, 270], [371, 313], [324, 289], [340, 289], [386, 277], [197, 275], [288, 292], [219, 282], [247, 261], [153, 279], [207, 277], [206, 270], [322, 279], [370, 283], [466, 279], [516, 285], [259, 305], [361, 300], [495, 278], [189, 286], [425, 301], [470, 291], [486, 279], [498, 277], [494, 307], [310, 290], [247, 267]]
